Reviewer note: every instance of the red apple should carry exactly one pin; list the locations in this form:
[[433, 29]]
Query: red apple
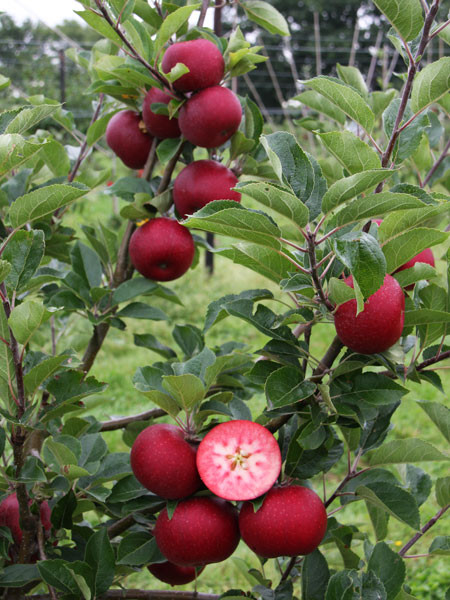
[[174, 574], [9, 516], [162, 249], [160, 126], [164, 462], [210, 117], [202, 530], [201, 182], [239, 460], [426, 256], [292, 520], [203, 59], [379, 325], [128, 139]]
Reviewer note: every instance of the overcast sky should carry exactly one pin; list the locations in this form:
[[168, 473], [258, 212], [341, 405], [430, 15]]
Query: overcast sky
[[51, 12]]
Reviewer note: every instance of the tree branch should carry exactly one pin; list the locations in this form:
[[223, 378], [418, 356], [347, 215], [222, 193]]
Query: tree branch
[[424, 529], [436, 165], [204, 8], [115, 424]]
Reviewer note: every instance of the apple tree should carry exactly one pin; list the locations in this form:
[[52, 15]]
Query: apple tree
[[238, 443]]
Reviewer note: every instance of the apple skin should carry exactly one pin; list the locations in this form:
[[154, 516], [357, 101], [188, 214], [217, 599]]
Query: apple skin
[[291, 521], [126, 138], [164, 462], [160, 126], [203, 59], [202, 530], [9, 516], [201, 182], [379, 325], [162, 249], [426, 256], [210, 117], [174, 574]]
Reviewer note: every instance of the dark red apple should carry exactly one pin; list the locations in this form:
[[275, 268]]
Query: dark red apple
[[174, 574], [379, 325], [9, 516], [162, 249], [426, 256], [291, 521], [160, 126], [201, 182], [210, 117], [203, 59], [239, 460], [127, 137], [202, 530], [164, 462]]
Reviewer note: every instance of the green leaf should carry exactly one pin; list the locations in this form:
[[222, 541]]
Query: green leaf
[[39, 373], [187, 390], [431, 84], [61, 515], [440, 545], [353, 76], [339, 291], [100, 557], [443, 491], [167, 149], [56, 158], [405, 16], [140, 310], [226, 217], [132, 288], [439, 414], [4, 82], [320, 104], [29, 117], [389, 568], [396, 501], [290, 163], [265, 261], [142, 383], [44, 201], [315, 576], [354, 154], [16, 576], [217, 310], [172, 23], [15, 150], [374, 205], [138, 548], [350, 187], [361, 254], [409, 450], [409, 139], [287, 386], [267, 16], [379, 519], [73, 386], [340, 586], [149, 341], [405, 246], [24, 253], [5, 268], [99, 24], [417, 272], [345, 98], [98, 128], [26, 319], [278, 199]]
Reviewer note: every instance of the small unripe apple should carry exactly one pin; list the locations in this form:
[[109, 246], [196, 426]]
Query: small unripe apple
[[201, 182], [160, 126], [10, 516], [164, 462], [202, 530], [291, 521], [203, 59], [162, 249], [426, 256], [127, 137], [210, 117], [174, 574], [379, 325]]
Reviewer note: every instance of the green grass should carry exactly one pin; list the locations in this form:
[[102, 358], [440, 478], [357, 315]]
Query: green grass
[[119, 358]]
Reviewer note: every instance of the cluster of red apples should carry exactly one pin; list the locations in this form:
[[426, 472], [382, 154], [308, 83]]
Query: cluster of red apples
[[162, 249], [237, 461]]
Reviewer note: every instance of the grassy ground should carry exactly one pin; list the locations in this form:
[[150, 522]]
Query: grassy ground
[[119, 359]]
